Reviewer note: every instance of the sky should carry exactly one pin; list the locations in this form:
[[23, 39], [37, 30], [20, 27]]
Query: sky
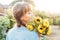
[[5, 2], [52, 6]]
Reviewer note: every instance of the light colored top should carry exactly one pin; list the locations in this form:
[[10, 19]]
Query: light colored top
[[21, 33]]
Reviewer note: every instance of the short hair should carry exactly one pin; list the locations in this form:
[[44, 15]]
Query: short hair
[[20, 9]]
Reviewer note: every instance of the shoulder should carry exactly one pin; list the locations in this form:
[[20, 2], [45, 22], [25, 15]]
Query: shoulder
[[10, 32], [32, 32], [32, 35], [12, 29]]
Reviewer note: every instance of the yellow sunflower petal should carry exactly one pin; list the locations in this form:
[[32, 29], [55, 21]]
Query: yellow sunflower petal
[[46, 23], [40, 29], [49, 31], [38, 20], [29, 27]]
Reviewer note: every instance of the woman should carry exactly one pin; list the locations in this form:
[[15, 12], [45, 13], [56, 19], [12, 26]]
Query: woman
[[22, 14]]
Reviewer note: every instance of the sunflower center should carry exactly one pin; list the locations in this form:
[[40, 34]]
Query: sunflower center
[[41, 28], [38, 20]]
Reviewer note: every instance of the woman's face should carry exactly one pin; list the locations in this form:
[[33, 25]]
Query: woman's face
[[27, 17]]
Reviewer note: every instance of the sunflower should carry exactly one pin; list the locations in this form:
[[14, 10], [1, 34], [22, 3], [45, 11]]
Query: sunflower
[[40, 29], [45, 23], [49, 31], [38, 20], [29, 27]]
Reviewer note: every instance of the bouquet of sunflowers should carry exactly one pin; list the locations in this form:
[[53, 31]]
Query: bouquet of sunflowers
[[41, 26]]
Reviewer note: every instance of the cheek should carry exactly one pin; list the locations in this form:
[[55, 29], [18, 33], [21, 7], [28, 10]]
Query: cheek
[[25, 19]]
